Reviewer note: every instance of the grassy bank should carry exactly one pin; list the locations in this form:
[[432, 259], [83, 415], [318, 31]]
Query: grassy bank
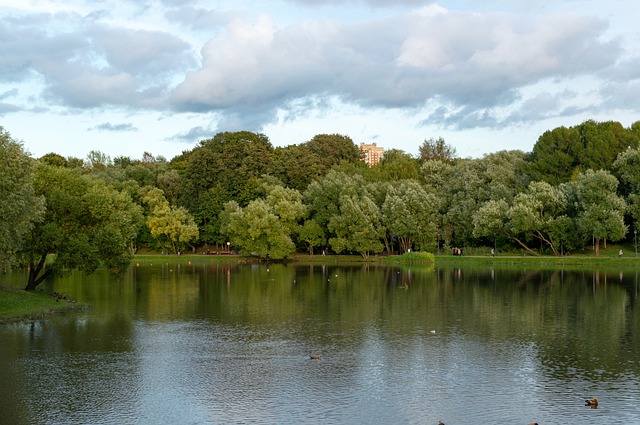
[[608, 257], [17, 305]]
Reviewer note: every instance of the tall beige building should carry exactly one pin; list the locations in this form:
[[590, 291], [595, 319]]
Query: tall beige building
[[371, 153]]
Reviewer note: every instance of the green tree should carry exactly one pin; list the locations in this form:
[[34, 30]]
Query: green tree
[[627, 169], [168, 224], [226, 167], [562, 153], [599, 211], [396, 165], [541, 213], [411, 213], [333, 149], [20, 207], [86, 223], [266, 226], [297, 166], [311, 234], [357, 226], [437, 150]]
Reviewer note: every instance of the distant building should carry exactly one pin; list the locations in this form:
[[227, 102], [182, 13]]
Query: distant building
[[371, 153]]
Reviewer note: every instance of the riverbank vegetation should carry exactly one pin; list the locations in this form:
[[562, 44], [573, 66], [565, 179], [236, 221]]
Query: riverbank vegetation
[[17, 305], [576, 192]]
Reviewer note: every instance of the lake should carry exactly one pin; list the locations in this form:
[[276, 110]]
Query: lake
[[180, 343]]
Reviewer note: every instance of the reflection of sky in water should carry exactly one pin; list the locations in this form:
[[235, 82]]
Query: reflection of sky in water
[[193, 350]]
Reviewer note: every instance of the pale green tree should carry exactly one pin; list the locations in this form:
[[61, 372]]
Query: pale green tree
[[171, 226], [541, 213], [627, 169], [323, 196], [256, 230], [267, 225], [466, 185], [411, 214], [20, 207], [599, 210], [357, 226]]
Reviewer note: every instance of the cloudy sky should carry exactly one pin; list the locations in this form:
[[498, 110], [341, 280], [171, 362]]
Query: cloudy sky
[[125, 77]]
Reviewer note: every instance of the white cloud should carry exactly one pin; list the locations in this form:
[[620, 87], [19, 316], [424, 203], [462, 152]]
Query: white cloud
[[240, 65]]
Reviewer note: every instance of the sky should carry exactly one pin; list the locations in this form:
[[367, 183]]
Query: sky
[[129, 77]]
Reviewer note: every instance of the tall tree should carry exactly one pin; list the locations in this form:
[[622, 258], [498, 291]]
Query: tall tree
[[226, 167], [20, 207], [333, 149], [627, 169], [358, 226], [170, 225], [266, 226], [86, 223], [599, 211], [437, 150], [410, 213]]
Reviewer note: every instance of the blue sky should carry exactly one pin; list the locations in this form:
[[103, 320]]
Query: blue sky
[[128, 77]]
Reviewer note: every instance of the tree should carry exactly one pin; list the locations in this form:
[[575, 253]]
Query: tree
[[256, 230], [396, 165], [311, 234], [627, 169], [297, 166], [86, 223], [226, 167], [437, 149], [170, 225], [562, 153], [20, 206], [265, 227], [411, 214], [541, 213], [357, 226], [323, 195], [464, 186], [333, 149], [599, 211]]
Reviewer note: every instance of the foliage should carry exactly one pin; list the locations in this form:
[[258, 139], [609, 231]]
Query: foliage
[[413, 257], [86, 223], [357, 227], [226, 167], [168, 224], [311, 234], [265, 227], [320, 193], [20, 206], [410, 213], [599, 211], [561, 153], [437, 150]]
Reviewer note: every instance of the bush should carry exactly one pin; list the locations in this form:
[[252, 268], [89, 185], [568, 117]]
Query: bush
[[413, 258]]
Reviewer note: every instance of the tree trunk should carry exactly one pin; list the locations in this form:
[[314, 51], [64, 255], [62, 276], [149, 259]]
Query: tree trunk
[[522, 244], [35, 278], [597, 247]]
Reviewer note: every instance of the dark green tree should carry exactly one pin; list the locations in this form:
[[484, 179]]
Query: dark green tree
[[86, 223]]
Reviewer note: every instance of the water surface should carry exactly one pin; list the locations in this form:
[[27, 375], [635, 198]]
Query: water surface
[[218, 344]]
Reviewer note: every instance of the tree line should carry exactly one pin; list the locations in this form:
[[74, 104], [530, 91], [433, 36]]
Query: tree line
[[579, 186]]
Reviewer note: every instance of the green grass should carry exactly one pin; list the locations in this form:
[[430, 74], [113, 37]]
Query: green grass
[[17, 305], [412, 258]]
